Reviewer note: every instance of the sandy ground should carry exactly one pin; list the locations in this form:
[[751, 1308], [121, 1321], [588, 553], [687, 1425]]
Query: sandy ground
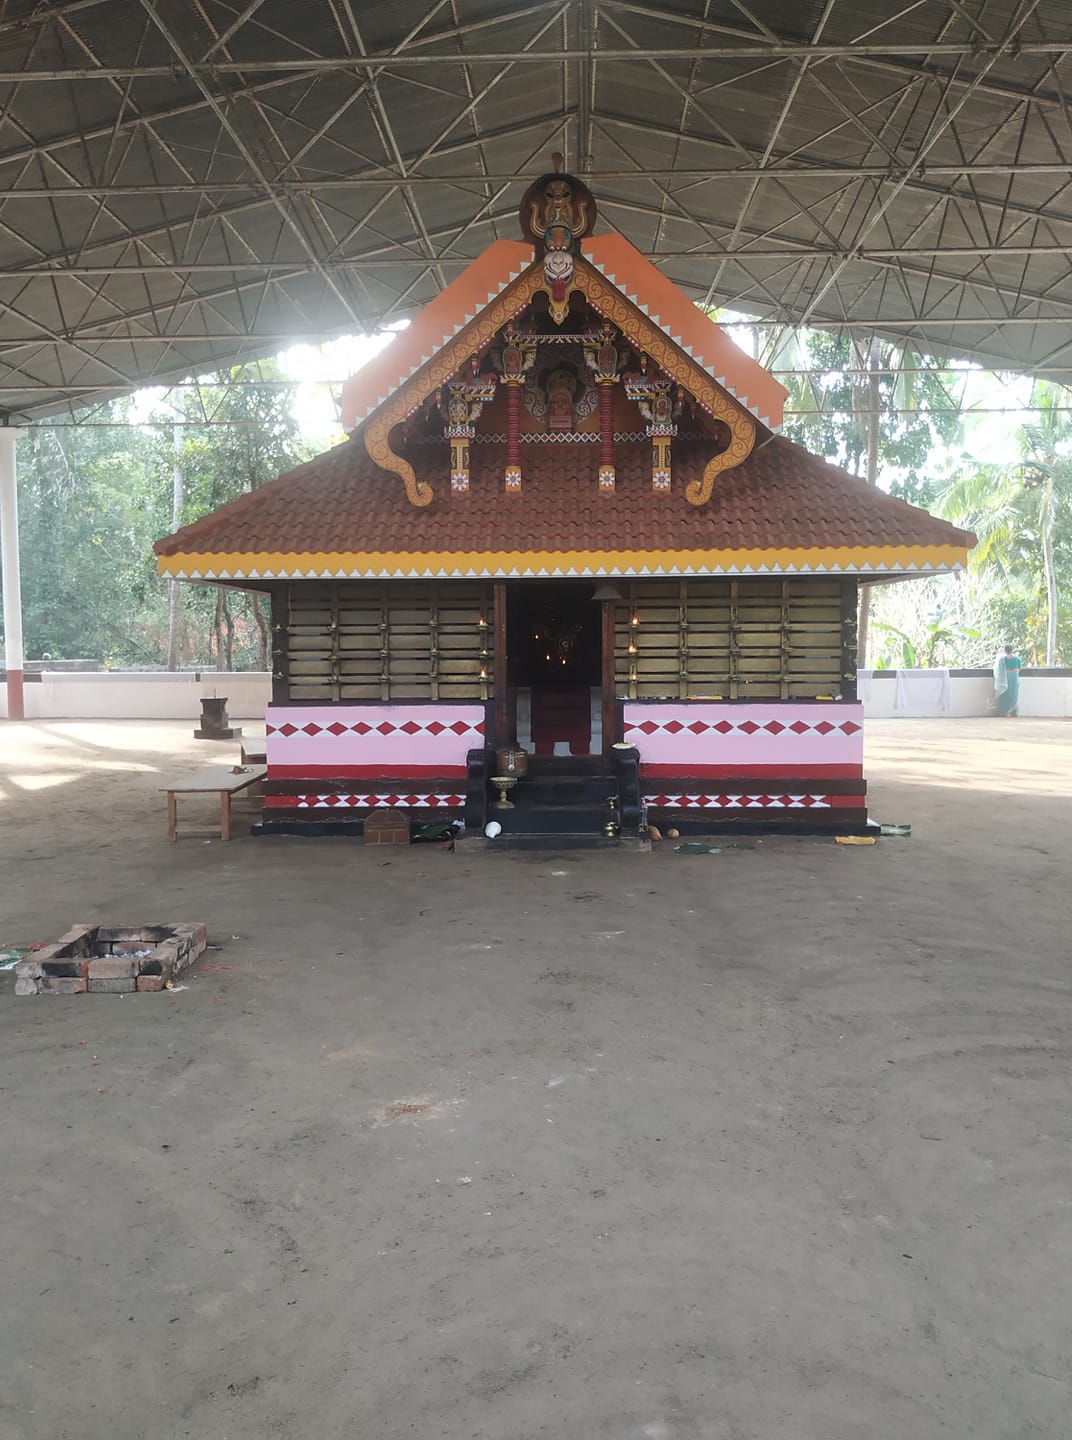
[[769, 1145]]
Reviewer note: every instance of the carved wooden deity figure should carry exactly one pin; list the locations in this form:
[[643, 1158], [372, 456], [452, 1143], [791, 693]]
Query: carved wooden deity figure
[[654, 396], [515, 362], [603, 358], [561, 385], [464, 398]]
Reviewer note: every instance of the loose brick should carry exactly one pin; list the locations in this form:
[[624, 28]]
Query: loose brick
[[62, 985], [26, 985], [28, 970], [113, 967], [151, 982], [116, 985]]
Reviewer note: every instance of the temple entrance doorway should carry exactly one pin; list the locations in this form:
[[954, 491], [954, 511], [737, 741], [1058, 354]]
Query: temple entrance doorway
[[554, 666]]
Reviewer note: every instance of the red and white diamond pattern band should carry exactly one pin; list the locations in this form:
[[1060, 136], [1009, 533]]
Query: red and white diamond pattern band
[[738, 802], [742, 727], [385, 727], [367, 802]]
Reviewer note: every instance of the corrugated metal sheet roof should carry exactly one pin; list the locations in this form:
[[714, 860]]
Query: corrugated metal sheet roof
[[186, 186]]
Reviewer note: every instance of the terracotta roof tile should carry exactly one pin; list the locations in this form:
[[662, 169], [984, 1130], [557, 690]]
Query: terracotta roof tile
[[781, 498]]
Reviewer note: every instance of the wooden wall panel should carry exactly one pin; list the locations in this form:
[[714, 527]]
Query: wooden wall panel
[[733, 639], [354, 640]]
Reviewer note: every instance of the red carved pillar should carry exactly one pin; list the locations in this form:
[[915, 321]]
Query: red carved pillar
[[518, 354], [512, 473], [606, 437], [602, 358]]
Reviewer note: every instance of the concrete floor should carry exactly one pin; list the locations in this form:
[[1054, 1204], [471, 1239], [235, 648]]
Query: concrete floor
[[768, 1145]]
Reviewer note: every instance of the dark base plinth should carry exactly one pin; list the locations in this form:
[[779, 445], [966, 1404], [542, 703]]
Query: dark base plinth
[[233, 733], [761, 823], [547, 841], [322, 825]]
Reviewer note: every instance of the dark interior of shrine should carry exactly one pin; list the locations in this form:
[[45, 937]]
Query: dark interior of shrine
[[554, 649], [553, 635]]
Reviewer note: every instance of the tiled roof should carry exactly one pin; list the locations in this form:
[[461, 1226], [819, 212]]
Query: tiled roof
[[782, 509]]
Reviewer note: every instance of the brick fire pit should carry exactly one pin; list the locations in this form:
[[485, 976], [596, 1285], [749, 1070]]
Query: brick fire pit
[[111, 959]]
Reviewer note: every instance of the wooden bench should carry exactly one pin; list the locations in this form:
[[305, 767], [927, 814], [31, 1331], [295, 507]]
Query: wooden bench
[[218, 780]]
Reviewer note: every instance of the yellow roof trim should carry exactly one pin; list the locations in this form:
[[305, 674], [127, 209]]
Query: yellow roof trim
[[505, 564]]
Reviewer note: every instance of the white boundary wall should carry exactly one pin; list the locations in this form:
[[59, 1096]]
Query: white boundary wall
[[135, 695], [158, 695], [971, 692]]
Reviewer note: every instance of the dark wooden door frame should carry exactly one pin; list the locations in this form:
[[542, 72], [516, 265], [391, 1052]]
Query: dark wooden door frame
[[504, 721], [502, 727], [610, 707]]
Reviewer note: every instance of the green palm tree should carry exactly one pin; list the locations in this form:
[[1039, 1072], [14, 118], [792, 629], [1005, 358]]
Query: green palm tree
[[1019, 511]]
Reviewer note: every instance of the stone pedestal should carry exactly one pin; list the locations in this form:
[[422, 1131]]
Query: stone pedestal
[[214, 723]]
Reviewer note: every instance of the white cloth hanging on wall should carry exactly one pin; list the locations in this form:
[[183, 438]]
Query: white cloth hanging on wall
[[923, 692]]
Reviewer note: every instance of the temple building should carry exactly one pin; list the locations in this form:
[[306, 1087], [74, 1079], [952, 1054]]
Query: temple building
[[564, 524]]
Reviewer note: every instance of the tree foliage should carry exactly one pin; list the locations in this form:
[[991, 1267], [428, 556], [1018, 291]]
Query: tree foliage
[[88, 516], [845, 384], [1022, 515], [94, 497]]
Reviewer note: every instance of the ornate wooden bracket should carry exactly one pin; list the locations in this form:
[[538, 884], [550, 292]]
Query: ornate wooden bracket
[[742, 442], [461, 401], [515, 362], [647, 337], [654, 397], [471, 339], [603, 359], [614, 307]]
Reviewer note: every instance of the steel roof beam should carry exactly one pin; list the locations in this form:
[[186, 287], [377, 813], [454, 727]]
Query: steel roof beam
[[260, 198], [905, 178], [386, 60], [286, 269], [44, 13], [687, 176], [858, 54]]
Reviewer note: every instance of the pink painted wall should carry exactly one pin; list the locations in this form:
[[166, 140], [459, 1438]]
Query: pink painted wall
[[701, 737], [370, 740]]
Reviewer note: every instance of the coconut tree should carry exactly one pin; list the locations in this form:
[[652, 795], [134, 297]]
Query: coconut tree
[[1020, 512]]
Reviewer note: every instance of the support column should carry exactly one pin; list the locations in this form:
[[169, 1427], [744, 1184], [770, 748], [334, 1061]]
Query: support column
[[603, 358], [512, 475], [9, 560], [607, 677], [606, 437], [501, 710]]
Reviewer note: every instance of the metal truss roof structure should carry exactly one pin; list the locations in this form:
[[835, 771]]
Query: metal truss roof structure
[[185, 184]]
